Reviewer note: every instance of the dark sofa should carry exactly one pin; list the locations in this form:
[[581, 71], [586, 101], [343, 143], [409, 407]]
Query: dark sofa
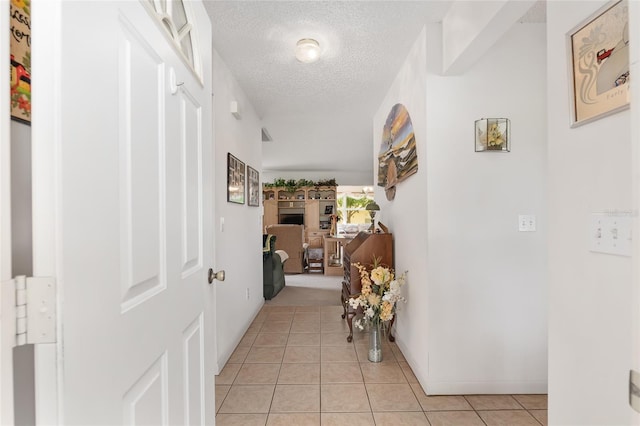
[[272, 267]]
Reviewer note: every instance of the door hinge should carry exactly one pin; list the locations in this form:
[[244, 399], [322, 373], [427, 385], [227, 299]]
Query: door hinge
[[35, 310]]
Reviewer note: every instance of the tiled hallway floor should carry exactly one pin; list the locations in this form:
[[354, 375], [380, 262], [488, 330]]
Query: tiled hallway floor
[[295, 367]]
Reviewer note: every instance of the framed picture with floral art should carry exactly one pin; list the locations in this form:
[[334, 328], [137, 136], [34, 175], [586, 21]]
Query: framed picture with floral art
[[599, 64], [235, 180]]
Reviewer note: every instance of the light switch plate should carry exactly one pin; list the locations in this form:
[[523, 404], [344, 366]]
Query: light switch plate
[[611, 233], [526, 223]]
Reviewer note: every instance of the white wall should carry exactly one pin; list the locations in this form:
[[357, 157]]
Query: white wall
[[471, 27], [476, 317], [239, 247], [487, 280], [406, 215], [299, 145], [590, 320]]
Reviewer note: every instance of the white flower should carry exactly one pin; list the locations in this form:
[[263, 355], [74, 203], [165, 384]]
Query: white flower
[[369, 313], [354, 303], [359, 325]]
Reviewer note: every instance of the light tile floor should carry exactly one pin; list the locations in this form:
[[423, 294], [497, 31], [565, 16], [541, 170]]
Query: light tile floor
[[295, 367]]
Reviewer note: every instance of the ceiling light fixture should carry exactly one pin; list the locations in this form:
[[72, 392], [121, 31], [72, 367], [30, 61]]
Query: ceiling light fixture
[[307, 50]]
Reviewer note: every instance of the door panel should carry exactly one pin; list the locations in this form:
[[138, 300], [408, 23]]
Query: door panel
[[132, 247], [191, 141], [142, 169], [193, 356], [146, 403]]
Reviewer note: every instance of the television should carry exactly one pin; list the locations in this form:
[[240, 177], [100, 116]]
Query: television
[[291, 218]]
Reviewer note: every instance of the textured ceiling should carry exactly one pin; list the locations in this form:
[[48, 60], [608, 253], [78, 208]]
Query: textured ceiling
[[319, 115], [363, 43]]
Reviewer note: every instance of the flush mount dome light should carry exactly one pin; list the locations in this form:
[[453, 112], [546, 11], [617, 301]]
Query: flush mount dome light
[[307, 50]]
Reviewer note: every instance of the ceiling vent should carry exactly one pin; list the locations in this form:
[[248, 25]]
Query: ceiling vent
[[266, 137]]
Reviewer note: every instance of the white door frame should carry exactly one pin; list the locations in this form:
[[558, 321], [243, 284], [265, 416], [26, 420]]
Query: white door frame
[[45, 138], [7, 329]]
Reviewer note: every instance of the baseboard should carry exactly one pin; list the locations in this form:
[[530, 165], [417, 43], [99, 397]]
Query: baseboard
[[224, 357], [449, 387], [485, 387]]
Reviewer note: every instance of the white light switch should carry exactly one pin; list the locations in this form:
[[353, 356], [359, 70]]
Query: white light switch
[[611, 233], [526, 223]]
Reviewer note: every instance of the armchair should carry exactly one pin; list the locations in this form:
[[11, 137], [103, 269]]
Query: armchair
[[290, 239], [272, 267]]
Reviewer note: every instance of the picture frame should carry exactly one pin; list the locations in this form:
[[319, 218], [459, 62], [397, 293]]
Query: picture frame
[[235, 179], [598, 51], [328, 209], [20, 61], [253, 188]]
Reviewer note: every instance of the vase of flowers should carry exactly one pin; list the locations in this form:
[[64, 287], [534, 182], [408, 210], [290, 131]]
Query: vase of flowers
[[378, 298]]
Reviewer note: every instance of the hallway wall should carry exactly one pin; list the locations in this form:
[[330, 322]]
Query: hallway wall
[[590, 316], [475, 321], [238, 249]]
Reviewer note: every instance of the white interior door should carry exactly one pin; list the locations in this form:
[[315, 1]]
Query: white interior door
[[123, 213]]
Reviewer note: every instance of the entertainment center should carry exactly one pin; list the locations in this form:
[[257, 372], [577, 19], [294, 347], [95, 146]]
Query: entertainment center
[[311, 206]]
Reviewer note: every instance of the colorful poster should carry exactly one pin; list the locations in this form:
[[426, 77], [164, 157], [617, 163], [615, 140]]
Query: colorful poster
[[20, 26]]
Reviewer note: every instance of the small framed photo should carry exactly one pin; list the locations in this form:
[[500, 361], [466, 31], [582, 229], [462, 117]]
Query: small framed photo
[[599, 64], [328, 209], [253, 189], [235, 180]]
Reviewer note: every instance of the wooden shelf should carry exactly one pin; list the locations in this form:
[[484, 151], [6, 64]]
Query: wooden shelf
[[333, 254], [277, 200]]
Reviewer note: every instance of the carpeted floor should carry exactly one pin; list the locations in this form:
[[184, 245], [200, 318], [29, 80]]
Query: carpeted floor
[[308, 290]]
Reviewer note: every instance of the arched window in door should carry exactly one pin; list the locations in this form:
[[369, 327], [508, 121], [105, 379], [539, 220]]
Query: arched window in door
[[175, 18]]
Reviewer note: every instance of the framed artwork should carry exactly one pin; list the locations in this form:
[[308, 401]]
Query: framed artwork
[[599, 64], [397, 158], [20, 87], [328, 209], [253, 188], [235, 180]]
